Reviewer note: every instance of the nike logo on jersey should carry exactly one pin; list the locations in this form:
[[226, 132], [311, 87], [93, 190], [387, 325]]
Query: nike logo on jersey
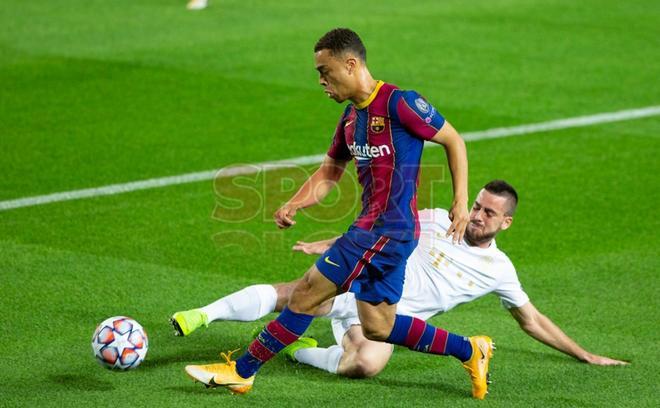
[[348, 123], [327, 259]]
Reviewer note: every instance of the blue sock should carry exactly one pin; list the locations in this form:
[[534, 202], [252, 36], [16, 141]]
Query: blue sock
[[279, 333], [418, 335]]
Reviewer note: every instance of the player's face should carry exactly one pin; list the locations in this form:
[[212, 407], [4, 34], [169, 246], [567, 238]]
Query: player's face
[[487, 217], [335, 74]]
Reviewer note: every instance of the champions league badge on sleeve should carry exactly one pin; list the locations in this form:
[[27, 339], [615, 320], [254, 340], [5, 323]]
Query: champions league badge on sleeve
[[422, 105]]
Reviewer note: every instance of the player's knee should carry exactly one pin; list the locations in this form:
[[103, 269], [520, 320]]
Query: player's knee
[[297, 304], [310, 292], [364, 362], [364, 367], [302, 300], [283, 291], [376, 332], [299, 297]]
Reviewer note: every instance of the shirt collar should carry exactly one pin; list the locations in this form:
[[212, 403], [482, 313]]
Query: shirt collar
[[371, 97]]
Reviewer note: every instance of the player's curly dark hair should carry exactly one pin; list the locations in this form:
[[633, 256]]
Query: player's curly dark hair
[[504, 189], [339, 40]]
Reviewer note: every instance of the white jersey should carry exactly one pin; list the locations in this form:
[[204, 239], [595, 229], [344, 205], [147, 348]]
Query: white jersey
[[441, 275]]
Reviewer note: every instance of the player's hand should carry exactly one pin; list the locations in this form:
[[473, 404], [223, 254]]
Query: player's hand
[[311, 248], [603, 361], [459, 217], [284, 216]]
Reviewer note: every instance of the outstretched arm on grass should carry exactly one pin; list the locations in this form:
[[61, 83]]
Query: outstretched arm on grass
[[544, 330]]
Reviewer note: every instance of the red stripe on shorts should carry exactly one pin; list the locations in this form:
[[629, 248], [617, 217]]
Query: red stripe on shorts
[[366, 258]]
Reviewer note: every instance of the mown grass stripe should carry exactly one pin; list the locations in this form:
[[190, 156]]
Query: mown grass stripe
[[113, 189]]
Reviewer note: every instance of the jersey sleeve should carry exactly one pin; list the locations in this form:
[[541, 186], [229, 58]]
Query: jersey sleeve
[[510, 290], [418, 116], [338, 149]]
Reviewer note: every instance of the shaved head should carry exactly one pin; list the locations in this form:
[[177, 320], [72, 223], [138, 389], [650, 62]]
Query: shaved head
[[503, 189]]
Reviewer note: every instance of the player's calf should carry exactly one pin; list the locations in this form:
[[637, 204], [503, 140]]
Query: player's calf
[[474, 352], [375, 332], [377, 320]]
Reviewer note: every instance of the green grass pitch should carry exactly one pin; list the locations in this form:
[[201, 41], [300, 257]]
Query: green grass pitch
[[98, 92]]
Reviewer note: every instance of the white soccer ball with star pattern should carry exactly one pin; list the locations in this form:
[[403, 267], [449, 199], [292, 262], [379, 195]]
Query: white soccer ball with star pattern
[[120, 343]]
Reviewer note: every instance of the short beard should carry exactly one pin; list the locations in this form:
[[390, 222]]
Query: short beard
[[477, 240]]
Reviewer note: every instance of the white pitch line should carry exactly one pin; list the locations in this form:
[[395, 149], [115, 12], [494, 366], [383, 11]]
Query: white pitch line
[[579, 121]]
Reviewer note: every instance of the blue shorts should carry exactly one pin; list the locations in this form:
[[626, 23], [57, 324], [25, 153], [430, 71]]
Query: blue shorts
[[368, 264]]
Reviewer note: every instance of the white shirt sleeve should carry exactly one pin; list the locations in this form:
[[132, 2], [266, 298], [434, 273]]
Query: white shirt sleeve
[[510, 290]]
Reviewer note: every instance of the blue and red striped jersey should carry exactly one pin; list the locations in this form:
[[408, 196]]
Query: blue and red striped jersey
[[385, 135]]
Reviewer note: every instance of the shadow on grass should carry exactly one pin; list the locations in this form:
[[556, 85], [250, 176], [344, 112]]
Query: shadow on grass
[[428, 387], [441, 389], [199, 389], [190, 355], [545, 356], [80, 382]]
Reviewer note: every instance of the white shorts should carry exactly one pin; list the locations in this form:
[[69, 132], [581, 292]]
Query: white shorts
[[343, 315]]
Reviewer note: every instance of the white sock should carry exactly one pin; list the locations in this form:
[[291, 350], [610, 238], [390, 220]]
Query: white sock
[[248, 304], [324, 358]]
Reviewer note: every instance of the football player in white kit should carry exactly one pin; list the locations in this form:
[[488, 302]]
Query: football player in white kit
[[439, 276]]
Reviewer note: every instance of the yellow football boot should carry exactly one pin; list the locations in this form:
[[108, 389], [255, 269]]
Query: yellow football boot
[[477, 365], [221, 375]]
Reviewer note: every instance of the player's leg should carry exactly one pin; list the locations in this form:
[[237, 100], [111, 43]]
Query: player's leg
[[353, 355], [381, 323], [356, 357], [246, 305], [306, 299], [362, 357], [336, 270]]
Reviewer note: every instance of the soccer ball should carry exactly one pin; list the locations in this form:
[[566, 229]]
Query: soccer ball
[[120, 343]]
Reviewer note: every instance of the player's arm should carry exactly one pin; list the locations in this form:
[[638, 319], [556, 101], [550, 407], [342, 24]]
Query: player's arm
[[541, 328], [456, 152], [312, 191], [424, 121], [314, 248]]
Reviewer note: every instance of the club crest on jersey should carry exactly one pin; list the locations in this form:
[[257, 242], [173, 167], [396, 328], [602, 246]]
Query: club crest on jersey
[[377, 124], [422, 105]]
